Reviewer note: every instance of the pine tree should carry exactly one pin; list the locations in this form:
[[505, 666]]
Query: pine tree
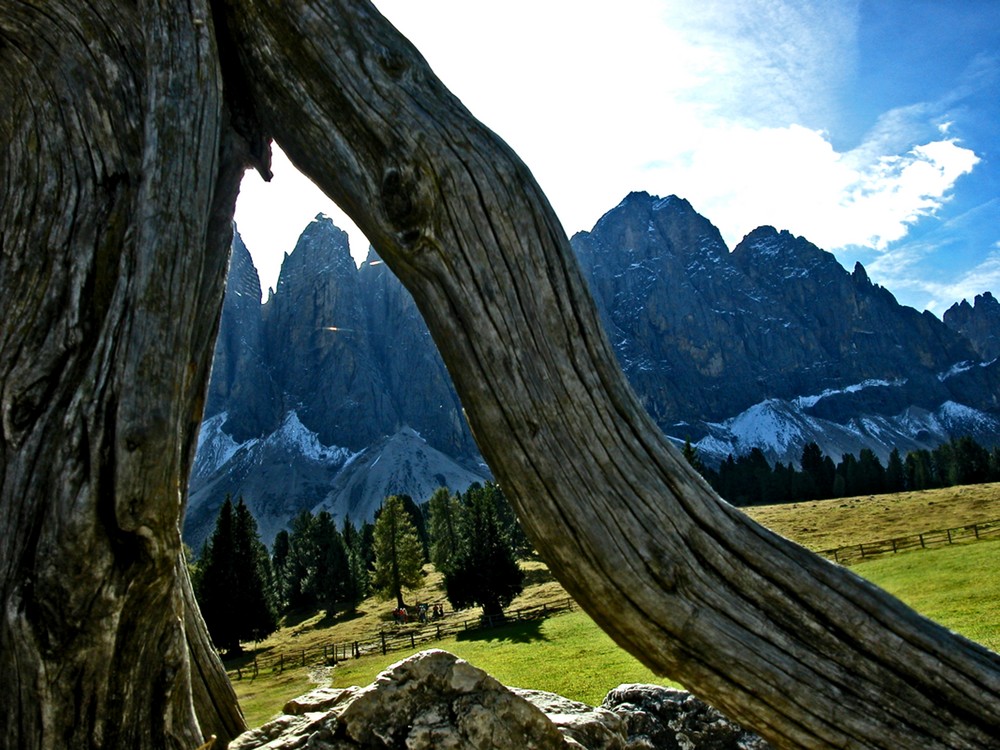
[[485, 572], [895, 474], [299, 563], [234, 581], [357, 562], [399, 554], [280, 549], [819, 469], [328, 582], [445, 539], [255, 603]]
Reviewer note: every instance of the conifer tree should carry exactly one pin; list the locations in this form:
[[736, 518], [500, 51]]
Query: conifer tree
[[328, 582], [234, 580], [357, 562], [445, 539], [399, 554], [895, 475], [485, 571]]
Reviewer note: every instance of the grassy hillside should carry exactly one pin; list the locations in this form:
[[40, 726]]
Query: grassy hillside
[[570, 655], [827, 524]]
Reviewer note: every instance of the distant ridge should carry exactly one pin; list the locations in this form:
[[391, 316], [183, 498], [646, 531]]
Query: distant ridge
[[332, 394]]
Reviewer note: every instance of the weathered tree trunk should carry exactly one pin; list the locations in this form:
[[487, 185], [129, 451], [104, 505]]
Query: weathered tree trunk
[[119, 178], [801, 650], [119, 171]]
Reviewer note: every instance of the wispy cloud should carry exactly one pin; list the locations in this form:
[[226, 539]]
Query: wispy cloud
[[983, 277], [733, 104]]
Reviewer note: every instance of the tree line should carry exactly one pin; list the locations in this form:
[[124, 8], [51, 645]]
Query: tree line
[[750, 480], [472, 538]]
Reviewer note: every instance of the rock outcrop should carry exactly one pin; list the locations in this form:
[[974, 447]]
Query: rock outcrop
[[435, 701], [770, 346], [978, 322]]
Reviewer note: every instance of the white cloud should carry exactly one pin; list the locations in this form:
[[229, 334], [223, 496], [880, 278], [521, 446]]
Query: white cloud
[[983, 277], [791, 177], [723, 102]]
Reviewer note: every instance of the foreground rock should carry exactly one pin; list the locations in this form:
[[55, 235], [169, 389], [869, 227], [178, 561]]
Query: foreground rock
[[668, 719], [434, 700]]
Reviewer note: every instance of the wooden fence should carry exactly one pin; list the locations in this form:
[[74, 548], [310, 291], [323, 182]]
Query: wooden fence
[[855, 552], [391, 638]]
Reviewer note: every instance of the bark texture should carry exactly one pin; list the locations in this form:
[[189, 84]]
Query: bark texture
[[121, 157], [803, 651], [119, 177]]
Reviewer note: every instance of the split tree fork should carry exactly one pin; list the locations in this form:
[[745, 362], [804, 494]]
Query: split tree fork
[[126, 128]]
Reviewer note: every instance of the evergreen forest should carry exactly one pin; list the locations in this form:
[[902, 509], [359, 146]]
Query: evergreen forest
[[750, 480], [473, 538]]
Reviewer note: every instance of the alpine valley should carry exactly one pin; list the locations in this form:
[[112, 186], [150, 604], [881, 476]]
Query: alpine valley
[[331, 394]]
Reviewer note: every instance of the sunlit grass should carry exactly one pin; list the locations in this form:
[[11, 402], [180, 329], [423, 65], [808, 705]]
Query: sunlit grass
[[827, 524], [569, 655], [956, 586]]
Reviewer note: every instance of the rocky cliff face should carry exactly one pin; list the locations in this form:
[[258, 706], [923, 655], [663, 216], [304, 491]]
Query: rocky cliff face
[[332, 394], [774, 343], [979, 323], [334, 374], [242, 385]]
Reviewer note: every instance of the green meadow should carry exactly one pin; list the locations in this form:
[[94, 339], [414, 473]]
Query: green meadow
[[568, 654]]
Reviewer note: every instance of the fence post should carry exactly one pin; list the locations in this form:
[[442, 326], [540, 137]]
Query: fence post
[[382, 633], [255, 665], [862, 548], [922, 545], [357, 651], [894, 546], [975, 529], [949, 536], [836, 559], [281, 663]]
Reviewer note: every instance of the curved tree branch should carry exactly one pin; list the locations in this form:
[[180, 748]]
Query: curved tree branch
[[121, 160], [803, 651]]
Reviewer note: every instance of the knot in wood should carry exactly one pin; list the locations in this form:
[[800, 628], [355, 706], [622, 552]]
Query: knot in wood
[[392, 61], [406, 203], [664, 571]]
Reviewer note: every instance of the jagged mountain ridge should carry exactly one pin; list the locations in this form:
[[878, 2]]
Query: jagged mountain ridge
[[709, 338], [771, 345], [335, 371], [980, 323]]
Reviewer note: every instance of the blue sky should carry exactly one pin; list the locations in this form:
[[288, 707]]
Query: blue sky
[[870, 128]]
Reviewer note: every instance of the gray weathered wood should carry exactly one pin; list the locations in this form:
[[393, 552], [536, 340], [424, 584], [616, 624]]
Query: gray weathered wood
[[120, 163], [115, 224], [785, 642]]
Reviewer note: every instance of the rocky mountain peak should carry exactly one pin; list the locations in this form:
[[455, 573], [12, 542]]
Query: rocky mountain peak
[[322, 249], [979, 322]]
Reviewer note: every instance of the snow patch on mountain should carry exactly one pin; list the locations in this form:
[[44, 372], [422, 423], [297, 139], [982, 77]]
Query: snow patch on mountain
[[956, 369], [805, 402], [215, 447], [780, 429], [295, 436]]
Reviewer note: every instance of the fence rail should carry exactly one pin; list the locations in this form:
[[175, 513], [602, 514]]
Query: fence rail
[[855, 552], [391, 638]]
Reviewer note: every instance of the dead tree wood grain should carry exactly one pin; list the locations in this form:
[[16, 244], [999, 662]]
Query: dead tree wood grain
[[119, 178], [125, 129]]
